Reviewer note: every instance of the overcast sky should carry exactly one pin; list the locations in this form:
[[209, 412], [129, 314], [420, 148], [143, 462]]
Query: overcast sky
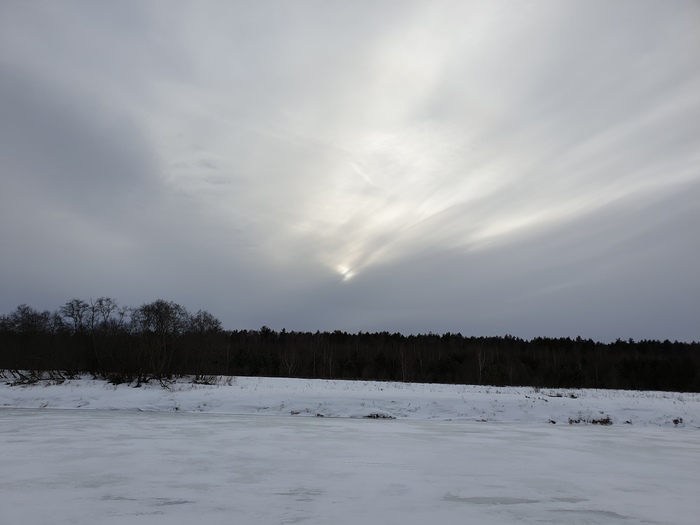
[[485, 167]]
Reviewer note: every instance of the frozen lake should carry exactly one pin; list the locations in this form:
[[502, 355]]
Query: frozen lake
[[88, 467]]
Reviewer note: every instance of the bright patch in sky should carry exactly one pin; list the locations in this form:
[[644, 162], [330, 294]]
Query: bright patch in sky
[[345, 272]]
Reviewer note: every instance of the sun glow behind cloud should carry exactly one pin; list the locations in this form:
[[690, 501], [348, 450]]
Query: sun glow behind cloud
[[383, 192]]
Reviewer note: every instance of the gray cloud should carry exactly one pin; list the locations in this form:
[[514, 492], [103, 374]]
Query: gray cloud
[[464, 166]]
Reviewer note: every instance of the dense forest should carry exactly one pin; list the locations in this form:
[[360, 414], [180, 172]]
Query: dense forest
[[161, 340]]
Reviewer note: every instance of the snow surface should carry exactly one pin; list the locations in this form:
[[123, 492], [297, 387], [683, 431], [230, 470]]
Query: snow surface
[[454, 454], [357, 399]]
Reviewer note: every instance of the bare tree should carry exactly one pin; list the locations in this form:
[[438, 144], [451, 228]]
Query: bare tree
[[102, 310], [75, 312], [203, 322], [160, 325], [481, 358]]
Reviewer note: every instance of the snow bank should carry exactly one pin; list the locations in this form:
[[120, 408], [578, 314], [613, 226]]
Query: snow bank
[[366, 399]]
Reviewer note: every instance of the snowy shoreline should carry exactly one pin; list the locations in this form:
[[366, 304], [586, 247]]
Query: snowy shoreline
[[365, 399]]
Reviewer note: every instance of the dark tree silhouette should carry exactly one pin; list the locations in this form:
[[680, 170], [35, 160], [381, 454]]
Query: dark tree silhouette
[[162, 339]]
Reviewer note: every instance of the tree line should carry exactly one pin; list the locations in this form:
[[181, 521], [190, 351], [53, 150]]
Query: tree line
[[161, 340]]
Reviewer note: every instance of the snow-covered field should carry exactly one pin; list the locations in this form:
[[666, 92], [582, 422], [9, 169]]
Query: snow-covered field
[[454, 454], [357, 399]]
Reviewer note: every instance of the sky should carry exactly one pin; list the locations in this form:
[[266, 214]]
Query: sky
[[484, 167]]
